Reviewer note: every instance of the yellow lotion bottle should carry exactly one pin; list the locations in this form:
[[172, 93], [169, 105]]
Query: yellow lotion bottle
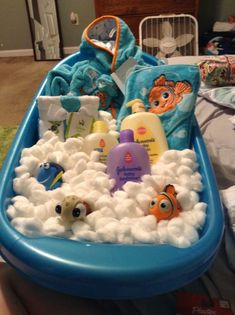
[[147, 128], [100, 140]]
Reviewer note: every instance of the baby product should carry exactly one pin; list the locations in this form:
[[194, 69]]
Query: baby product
[[165, 206], [127, 161], [147, 129], [102, 270], [79, 123], [72, 208], [51, 116], [169, 91], [100, 140]]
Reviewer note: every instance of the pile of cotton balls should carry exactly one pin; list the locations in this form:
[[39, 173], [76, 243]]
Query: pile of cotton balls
[[121, 217]]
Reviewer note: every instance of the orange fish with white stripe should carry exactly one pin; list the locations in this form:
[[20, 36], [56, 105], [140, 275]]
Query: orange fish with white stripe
[[165, 206], [166, 94]]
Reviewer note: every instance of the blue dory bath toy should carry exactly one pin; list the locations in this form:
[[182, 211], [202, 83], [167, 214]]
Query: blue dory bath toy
[[50, 175]]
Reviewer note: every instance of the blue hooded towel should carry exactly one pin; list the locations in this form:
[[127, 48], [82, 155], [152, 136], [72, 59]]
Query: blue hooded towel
[[170, 92]]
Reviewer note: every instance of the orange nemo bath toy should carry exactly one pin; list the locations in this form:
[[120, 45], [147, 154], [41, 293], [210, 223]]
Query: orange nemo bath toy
[[165, 94], [165, 206]]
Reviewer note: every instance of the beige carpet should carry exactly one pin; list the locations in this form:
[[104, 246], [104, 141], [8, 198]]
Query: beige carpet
[[19, 80]]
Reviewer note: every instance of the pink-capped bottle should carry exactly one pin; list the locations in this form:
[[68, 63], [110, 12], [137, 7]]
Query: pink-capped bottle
[[127, 161]]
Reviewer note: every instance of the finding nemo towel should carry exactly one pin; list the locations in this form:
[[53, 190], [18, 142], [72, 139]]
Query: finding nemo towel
[[106, 44], [170, 92]]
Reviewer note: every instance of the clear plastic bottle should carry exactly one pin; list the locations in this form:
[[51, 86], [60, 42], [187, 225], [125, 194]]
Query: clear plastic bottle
[[100, 140]]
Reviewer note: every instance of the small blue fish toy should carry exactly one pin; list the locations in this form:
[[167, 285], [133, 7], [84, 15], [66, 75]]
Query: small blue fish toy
[[50, 175]]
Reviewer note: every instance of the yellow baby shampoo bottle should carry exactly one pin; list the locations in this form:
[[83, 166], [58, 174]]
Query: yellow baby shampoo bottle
[[147, 128], [100, 140]]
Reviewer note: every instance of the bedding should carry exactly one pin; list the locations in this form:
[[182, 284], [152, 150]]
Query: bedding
[[215, 112]]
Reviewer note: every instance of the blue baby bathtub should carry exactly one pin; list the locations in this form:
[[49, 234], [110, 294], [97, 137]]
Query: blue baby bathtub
[[111, 271]]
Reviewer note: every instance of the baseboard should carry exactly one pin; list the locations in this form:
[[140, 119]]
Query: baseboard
[[29, 52]]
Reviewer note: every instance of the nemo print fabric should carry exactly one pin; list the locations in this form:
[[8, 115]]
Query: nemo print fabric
[[169, 91]]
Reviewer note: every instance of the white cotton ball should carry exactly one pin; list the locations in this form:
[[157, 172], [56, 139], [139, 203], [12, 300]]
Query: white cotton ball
[[144, 201], [11, 212], [46, 210], [127, 208], [28, 226], [108, 212], [188, 154], [58, 157], [124, 234], [39, 196], [94, 156], [59, 146], [184, 170], [109, 232], [85, 236], [68, 175], [55, 226], [189, 163], [53, 140], [80, 166], [140, 235], [96, 166], [194, 218], [104, 201], [163, 232], [196, 183], [181, 234], [79, 226], [21, 170], [91, 197], [184, 199], [19, 198], [23, 209], [185, 181], [148, 180], [201, 206], [132, 188], [169, 156], [73, 145], [119, 195], [93, 217], [103, 221], [102, 183], [74, 158]]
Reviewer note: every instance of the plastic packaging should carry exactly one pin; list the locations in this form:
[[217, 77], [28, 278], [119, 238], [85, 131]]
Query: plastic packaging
[[128, 161], [147, 128]]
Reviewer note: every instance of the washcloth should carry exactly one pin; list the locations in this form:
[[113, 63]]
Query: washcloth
[[67, 116], [106, 44], [169, 91]]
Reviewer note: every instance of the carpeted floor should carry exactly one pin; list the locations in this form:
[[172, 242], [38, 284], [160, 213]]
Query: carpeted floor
[[19, 81], [6, 136], [20, 78]]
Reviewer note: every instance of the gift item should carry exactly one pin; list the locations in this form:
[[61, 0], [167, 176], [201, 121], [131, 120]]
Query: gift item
[[218, 70], [128, 161], [147, 129], [100, 140], [169, 92]]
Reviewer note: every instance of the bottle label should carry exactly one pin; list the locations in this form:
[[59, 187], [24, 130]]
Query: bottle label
[[78, 125], [102, 149], [145, 137], [132, 173]]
